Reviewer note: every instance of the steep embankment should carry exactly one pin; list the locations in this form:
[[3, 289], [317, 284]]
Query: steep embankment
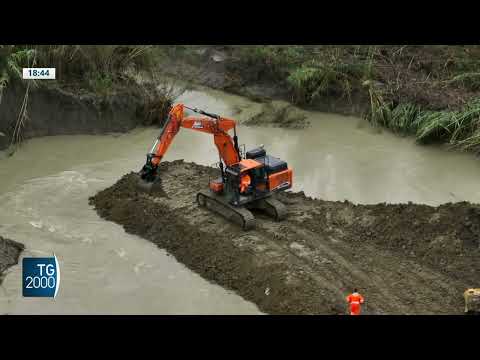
[[332, 78], [58, 111], [96, 89], [406, 258]]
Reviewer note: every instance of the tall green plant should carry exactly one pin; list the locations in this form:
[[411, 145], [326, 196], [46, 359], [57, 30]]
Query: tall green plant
[[315, 79], [12, 60]]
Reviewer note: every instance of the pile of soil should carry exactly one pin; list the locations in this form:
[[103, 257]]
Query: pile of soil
[[9, 253], [404, 258]]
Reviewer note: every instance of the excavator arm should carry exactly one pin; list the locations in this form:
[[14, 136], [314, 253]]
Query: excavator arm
[[211, 124]]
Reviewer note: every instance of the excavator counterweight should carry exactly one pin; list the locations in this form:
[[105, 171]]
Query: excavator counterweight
[[244, 183]]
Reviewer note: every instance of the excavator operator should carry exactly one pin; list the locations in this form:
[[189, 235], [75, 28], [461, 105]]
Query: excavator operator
[[245, 183]]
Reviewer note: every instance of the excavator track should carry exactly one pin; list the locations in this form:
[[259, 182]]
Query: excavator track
[[238, 215], [272, 207]]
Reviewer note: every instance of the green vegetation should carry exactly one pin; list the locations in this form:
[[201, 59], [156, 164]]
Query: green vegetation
[[310, 69], [430, 92], [469, 80], [89, 67], [309, 82], [95, 67], [458, 128], [98, 69], [12, 60], [309, 72]]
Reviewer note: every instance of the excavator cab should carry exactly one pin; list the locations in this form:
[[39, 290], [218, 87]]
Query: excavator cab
[[240, 181]]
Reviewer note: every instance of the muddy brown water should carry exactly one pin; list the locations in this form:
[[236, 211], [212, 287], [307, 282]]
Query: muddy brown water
[[45, 186]]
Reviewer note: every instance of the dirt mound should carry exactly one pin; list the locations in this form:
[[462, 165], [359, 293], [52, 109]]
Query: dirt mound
[[9, 252], [405, 259], [279, 114]]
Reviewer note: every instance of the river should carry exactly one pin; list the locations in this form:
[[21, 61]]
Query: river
[[45, 186]]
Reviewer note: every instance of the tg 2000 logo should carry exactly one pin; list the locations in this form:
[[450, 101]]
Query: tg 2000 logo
[[41, 276]]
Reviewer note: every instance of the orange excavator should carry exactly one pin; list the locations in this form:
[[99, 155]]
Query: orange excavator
[[246, 182]]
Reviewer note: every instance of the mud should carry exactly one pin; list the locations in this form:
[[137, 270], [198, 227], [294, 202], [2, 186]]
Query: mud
[[216, 75], [228, 75], [9, 253], [405, 258]]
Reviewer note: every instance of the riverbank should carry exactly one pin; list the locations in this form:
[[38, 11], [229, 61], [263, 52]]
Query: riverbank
[[55, 110], [433, 77], [429, 92], [96, 90], [307, 263], [9, 253]]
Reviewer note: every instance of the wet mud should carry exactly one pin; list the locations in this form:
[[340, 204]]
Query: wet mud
[[404, 258], [9, 253]]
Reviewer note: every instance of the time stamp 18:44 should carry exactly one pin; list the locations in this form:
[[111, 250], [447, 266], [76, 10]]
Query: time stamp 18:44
[[39, 73]]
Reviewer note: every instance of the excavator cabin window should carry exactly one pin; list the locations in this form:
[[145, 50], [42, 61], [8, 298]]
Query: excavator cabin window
[[259, 174]]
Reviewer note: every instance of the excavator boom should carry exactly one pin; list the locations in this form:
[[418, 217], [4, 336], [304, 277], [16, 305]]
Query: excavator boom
[[211, 124]]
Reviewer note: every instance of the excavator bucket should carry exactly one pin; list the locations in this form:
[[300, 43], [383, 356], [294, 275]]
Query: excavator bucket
[[149, 187], [148, 179]]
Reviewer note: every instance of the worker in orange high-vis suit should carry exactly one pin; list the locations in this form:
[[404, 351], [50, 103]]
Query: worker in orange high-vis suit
[[245, 183], [354, 301]]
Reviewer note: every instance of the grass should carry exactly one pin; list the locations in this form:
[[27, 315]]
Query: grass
[[96, 66], [12, 60], [426, 91], [458, 128], [272, 59], [159, 99], [91, 67], [309, 72], [409, 100], [100, 69], [309, 82], [469, 80], [434, 126], [315, 72]]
